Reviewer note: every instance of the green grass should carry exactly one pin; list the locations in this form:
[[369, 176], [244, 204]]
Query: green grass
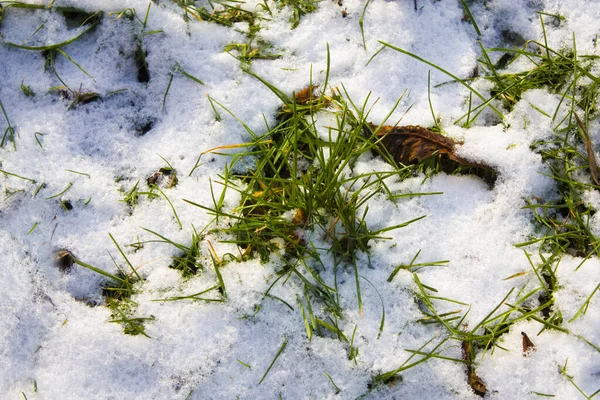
[[302, 184], [118, 291], [563, 223], [301, 173]]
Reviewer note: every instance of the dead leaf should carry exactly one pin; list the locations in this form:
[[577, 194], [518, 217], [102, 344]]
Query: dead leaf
[[593, 165], [63, 259], [411, 145], [528, 345], [299, 218], [472, 379], [158, 175], [84, 98], [476, 383], [306, 95]]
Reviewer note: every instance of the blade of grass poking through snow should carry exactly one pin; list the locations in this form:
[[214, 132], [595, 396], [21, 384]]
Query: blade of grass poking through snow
[[327, 70], [217, 264], [170, 205], [215, 150], [563, 371], [307, 324], [189, 76], [101, 272], [32, 228], [584, 307], [360, 23], [95, 20], [75, 63], [337, 389], [282, 96], [591, 156], [125, 257], [133, 326], [281, 348], [17, 176], [212, 105], [78, 173], [486, 319], [382, 324], [457, 79], [9, 132], [416, 267], [167, 90], [194, 296], [388, 376], [468, 11], [543, 394], [62, 192], [435, 120]]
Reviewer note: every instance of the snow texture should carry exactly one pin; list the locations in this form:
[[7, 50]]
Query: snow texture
[[56, 341]]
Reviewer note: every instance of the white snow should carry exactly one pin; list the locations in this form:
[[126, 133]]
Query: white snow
[[56, 341]]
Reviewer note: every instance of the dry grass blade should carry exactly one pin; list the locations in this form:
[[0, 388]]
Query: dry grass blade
[[593, 164]]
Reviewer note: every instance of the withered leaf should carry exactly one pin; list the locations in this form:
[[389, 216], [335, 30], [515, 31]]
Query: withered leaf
[[157, 177], [411, 145], [84, 98], [306, 94], [528, 345], [476, 383], [593, 165], [299, 218], [472, 379], [63, 259]]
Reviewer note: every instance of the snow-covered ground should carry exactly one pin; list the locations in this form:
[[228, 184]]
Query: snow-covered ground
[[56, 341]]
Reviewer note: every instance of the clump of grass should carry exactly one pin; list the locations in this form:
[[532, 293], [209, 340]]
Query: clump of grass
[[86, 21], [187, 261], [556, 70], [227, 13], [254, 49], [300, 8], [132, 197], [563, 222], [222, 12], [27, 90], [528, 303], [302, 183], [118, 291]]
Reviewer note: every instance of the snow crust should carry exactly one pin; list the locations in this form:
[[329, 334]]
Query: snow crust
[[52, 339]]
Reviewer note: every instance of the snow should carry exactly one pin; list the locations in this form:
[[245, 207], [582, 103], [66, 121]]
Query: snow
[[56, 341]]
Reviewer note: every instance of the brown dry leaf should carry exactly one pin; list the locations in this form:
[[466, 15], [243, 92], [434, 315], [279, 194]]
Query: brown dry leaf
[[593, 165], [156, 178], [299, 217], [472, 379], [476, 383], [412, 144], [63, 259], [528, 345], [306, 95]]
